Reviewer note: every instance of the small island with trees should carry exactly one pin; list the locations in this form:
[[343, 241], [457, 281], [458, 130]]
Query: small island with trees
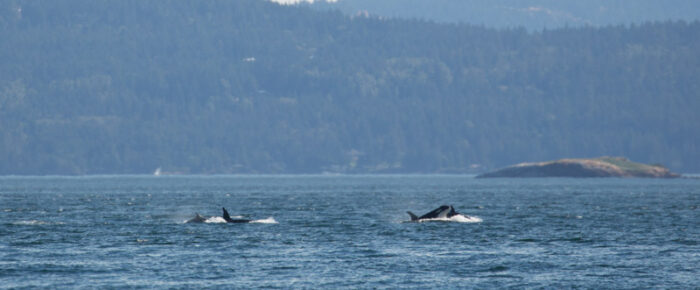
[[584, 167]]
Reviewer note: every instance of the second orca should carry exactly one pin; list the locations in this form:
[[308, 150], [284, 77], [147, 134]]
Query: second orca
[[442, 213]]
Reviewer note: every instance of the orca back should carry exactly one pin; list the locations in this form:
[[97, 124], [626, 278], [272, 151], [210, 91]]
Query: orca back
[[440, 212], [228, 218], [197, 219]]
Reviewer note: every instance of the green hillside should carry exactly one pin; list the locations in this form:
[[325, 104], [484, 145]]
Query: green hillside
[[247, 86]]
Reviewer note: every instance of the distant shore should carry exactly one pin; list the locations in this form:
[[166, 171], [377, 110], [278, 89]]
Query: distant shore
[[584, 167]]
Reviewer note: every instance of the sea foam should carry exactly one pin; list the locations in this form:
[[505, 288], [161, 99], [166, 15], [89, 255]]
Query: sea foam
[[458, 219]]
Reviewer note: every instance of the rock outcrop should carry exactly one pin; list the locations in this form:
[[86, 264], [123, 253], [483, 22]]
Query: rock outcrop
[[594, 167]]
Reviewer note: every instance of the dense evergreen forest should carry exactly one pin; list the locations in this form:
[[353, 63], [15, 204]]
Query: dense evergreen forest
[[531, 14], [249, 86]]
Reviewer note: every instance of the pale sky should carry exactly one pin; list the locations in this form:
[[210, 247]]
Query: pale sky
[[297, 1]]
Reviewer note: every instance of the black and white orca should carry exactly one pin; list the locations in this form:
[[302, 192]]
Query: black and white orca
[[444, 212], [196, 219], [200, 219], [228, 218]]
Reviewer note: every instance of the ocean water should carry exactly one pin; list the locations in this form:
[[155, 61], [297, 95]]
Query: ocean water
[[348, 232]]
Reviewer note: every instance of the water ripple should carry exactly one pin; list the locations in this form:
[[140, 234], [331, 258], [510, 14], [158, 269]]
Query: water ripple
[[348, 232]]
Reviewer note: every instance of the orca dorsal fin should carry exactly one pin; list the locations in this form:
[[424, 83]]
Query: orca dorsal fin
[[227, 217], [452, 212], [413, 216]]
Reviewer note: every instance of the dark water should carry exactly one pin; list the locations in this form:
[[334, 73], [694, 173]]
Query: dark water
[[348, 232]]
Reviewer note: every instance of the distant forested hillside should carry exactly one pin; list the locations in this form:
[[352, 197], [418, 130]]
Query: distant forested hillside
[[248, 86], [531, 14]]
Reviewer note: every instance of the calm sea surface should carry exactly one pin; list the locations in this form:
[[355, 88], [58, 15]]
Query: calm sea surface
[[348, 232]]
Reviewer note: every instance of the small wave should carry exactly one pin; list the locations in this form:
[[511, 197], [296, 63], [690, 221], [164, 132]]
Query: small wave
[[496, 269], [269, 220], [35, 222]]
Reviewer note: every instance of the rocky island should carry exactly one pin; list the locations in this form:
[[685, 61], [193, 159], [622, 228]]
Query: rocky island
[[586, 167]]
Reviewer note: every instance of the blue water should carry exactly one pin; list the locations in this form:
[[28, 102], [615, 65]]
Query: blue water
[[348, 232]]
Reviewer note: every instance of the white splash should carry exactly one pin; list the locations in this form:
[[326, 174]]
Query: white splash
[[457, 218], [269, 220], [466, 219], [221, 220], [215, 220]]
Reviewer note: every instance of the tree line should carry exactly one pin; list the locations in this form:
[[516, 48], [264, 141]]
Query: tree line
[[248, 86]]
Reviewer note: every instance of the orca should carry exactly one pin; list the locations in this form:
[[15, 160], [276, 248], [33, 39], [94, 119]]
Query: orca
[[228, 218], [197, 219], [200, 219], [442, 212]]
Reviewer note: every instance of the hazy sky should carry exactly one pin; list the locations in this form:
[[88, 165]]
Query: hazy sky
[[297, 1]]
